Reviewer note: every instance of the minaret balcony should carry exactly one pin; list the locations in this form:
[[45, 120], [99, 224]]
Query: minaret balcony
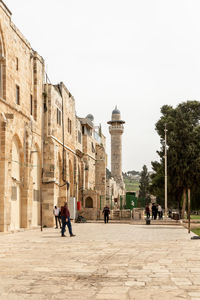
[[116, 129]]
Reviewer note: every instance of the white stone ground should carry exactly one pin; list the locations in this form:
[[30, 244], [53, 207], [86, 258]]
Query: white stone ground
[[112, 261]]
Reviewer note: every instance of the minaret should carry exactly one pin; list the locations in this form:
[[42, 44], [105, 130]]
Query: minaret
[[116, 130]]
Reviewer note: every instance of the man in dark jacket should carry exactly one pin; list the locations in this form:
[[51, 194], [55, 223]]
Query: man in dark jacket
[[65, 217], [154, 211], [147, 210], [106, 212]]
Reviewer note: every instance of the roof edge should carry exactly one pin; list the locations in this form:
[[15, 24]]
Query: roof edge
[[6, 7]]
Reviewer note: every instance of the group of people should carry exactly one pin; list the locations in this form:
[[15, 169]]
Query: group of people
[[156, 210], [62, 217]]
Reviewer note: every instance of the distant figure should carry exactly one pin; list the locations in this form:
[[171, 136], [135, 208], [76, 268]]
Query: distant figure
[[65, 217], [154, 211], [56, 212], [159, 211], [170, 213], [106, 212], [147, 211]]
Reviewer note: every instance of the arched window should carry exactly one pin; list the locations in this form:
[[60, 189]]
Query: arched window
[[88, 202]]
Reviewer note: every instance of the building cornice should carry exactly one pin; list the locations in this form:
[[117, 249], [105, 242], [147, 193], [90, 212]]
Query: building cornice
[[116, 122]]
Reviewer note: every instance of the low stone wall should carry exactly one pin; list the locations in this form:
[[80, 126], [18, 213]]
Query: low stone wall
[[124, 214], [89, 213], [117, 214], [138, 214]]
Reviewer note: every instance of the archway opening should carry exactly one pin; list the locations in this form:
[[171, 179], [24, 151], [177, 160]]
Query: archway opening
[[15, 217], [88, 202]]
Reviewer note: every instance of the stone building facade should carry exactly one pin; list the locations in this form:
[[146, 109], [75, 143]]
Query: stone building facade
[[74, 159], [95, 161], [47, 154], [21, 88]]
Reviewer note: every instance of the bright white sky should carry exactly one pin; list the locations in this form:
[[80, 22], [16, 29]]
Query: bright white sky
[[136, 54]]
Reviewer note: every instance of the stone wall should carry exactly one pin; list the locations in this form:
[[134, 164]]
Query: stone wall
[[22, 72], [40, 166]]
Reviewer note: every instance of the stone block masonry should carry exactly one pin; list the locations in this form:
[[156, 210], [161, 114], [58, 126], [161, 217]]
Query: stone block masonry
[[47, 153]]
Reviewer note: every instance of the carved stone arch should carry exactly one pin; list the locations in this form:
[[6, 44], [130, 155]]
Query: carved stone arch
[[18, 141], [17, 163], [88, 202]]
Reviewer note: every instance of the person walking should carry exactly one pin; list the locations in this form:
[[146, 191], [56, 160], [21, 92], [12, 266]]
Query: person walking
[[154, 211], [159, 211], [65, 217], [147, 211], [56, 212], [106, 212]]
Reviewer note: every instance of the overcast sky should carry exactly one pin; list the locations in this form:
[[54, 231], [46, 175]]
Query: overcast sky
[[136, 54]]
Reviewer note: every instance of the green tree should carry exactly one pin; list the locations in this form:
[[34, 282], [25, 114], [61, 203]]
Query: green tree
[[144, 183], [183, 140]]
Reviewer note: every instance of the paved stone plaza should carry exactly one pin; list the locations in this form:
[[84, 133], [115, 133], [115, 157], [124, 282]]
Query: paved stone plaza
[[109, 261]]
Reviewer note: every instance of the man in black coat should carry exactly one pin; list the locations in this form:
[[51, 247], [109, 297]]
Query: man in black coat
[[106, 212], [154, 211]]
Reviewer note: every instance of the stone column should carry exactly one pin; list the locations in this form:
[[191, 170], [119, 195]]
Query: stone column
[[116, 130]]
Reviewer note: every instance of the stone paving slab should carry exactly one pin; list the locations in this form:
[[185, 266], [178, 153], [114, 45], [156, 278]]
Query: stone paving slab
[[103, 261], [167, 221]]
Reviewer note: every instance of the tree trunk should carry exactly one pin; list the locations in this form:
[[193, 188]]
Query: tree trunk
[[179, 200], [184, 204], [188, 210]]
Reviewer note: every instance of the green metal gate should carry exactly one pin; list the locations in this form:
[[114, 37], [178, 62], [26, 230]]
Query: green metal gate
[[131, 200]]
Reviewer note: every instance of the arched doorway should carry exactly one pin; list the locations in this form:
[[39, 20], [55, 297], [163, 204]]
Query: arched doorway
[[88, 202], [36, 187], [15, 212]]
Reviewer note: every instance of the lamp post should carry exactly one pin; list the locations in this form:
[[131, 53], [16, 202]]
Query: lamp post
[[165, 172]]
